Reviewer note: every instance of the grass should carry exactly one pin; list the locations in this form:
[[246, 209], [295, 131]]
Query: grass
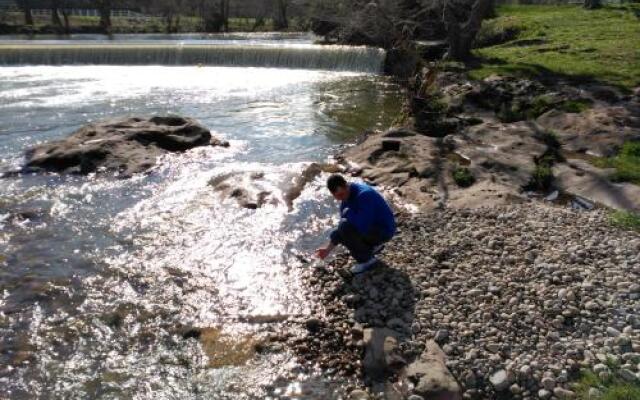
[[612, 388], [626, 164], [576, 106], [626, 220], [564, 40]]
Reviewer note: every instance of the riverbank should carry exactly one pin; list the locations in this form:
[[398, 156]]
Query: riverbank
[[510, 277], [529, 117], [520, 299]]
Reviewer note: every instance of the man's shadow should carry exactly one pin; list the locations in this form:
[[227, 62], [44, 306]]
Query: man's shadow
[[383, 299]]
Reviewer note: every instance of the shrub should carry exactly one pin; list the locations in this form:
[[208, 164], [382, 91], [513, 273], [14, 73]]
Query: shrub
[[542, 177], [463, 177]]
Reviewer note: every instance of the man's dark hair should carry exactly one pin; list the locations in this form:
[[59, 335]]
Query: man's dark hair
[[335, 182]]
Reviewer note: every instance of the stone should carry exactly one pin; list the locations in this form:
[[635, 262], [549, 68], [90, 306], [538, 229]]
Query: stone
[[125, 145], [627, 375], [431, 376], [613, 332], [593, 394], [562, 393], [598, 368], [525, 371], [468, 379], [313, 324], [500, 380], [382, 355], [247, 189], [544, 394], [359, 395], [548, 383], [441, 335]]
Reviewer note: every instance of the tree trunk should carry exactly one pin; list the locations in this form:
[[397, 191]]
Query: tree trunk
[[26, 8], [592, 4], [169, 22], [280, 21], [55, 17], [224, 14], [460, 34], [105, 15], [67, 25]]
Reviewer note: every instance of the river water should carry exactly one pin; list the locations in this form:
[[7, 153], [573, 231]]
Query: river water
[[101, 278]]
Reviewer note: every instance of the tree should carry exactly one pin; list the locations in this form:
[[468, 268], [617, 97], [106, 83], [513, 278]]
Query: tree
[[104, 8], [592, 4], [462, 26], [25, 5], [224, 12], [280, 20], [55, 17]]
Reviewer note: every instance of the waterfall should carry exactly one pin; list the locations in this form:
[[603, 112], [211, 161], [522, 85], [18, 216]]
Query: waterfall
[[298, 56]]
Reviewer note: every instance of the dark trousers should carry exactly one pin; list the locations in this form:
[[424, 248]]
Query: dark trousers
[[360, 246]]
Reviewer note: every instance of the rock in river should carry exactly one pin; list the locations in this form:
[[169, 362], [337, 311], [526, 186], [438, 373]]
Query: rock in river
[[126, 145]]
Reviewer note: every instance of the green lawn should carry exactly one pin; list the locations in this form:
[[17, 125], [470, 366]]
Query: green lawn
[[569, 41]]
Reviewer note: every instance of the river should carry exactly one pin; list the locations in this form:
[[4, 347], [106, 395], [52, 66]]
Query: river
[[101, 278]]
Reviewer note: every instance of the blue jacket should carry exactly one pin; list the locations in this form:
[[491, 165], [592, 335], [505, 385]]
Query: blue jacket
[[367, 210]]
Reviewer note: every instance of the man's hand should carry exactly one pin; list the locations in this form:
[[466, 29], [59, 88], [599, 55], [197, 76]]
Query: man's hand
[[322, 252]]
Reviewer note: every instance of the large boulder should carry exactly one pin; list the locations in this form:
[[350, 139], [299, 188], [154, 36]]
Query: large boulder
[[125, 145], [431, 377], [248, 189], [382, 356]]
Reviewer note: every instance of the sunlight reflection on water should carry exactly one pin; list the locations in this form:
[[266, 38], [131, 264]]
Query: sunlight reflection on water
[[99, 276]]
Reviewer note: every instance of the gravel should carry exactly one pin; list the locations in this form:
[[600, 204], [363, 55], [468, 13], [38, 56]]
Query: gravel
[[519, 297]]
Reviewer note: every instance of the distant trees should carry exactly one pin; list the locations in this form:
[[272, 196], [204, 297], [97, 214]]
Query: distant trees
[[389, 23]]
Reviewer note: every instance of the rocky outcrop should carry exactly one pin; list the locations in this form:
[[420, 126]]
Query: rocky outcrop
[[421, 169], [311, 172], [248, 189], [498, 141], [251, 190], [124, 145], [431, 377], [599, 131]]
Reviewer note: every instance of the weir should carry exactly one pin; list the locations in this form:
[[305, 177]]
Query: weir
[[298, 56]]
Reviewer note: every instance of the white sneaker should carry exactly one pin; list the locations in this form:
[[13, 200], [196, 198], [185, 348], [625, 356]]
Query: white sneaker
[[364, 267]]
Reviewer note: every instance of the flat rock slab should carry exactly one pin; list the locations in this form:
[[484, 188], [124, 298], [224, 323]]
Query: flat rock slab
[[600, 131], [431, 377], [580, 178], [124, 145]]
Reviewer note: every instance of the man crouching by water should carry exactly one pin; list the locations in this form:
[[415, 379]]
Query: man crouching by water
[[366, 222]]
